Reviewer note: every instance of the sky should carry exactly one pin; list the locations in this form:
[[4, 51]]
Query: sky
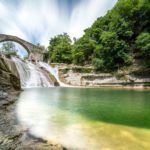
[[38, 20]]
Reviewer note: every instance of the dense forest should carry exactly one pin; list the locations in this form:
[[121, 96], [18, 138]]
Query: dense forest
[[112, 42]]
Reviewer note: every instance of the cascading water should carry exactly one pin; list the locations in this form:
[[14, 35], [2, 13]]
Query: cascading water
[[53, 71], [31, 75]]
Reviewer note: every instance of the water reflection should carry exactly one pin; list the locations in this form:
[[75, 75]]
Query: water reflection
[[76, 117]]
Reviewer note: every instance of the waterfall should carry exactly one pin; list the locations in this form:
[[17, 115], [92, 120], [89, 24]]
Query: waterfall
[[31, 75], [54, 72]]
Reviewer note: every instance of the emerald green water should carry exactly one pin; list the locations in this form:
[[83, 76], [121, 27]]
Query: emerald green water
[[88, 118]]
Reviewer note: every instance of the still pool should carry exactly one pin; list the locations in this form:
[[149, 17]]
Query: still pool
[[88, 118]]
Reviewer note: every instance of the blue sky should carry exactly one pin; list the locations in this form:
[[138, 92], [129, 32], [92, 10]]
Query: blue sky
[[39, 20]]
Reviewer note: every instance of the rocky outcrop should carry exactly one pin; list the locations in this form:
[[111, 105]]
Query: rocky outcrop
[[9, 84], [9, 77], [51, 78], [86, 76]]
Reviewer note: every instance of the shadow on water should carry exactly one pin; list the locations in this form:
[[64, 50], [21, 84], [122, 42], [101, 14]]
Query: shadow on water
[[124, 107]]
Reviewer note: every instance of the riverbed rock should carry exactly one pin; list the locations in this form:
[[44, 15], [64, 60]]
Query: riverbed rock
[[87, 76], [51, 78], [9, 77]]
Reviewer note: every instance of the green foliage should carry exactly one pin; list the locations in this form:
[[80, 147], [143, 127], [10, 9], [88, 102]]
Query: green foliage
[[11, 53], [143, 43], [60, 49], [98, 63], [111, 53], [110, 43], [115, 34], [82, 51], [8, 47]]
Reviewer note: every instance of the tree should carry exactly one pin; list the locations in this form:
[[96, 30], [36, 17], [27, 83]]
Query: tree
[[112, 53], [109, 43], [143, 44], [82, 51], [8, 47], [60, 49]]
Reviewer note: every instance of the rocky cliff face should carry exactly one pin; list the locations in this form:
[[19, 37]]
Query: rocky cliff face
[[9, 78], [86, 76], [9, 82], [9, 89]]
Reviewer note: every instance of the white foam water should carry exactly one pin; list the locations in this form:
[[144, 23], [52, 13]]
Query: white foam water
[[31, 75]]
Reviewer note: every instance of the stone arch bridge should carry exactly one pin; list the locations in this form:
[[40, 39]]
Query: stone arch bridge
[[35, 52]]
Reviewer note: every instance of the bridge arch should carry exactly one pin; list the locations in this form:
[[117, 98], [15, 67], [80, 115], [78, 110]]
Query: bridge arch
[[24, 46], [9, 47], [35, 52]]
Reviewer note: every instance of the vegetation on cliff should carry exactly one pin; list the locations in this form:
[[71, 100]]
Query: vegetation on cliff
[[9, 49], [112, 42], [60, 49]]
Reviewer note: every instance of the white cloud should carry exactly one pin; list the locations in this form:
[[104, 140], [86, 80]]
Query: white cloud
[[86, 13], [38, 20]]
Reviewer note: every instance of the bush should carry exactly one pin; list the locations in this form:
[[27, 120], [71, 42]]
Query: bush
[[98, 64], [143, 44], [9, 54]]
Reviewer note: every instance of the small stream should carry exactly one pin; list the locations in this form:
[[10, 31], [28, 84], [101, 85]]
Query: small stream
[[88, 118]]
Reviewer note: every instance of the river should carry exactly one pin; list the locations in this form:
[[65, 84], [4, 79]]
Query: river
[[87, 118]]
